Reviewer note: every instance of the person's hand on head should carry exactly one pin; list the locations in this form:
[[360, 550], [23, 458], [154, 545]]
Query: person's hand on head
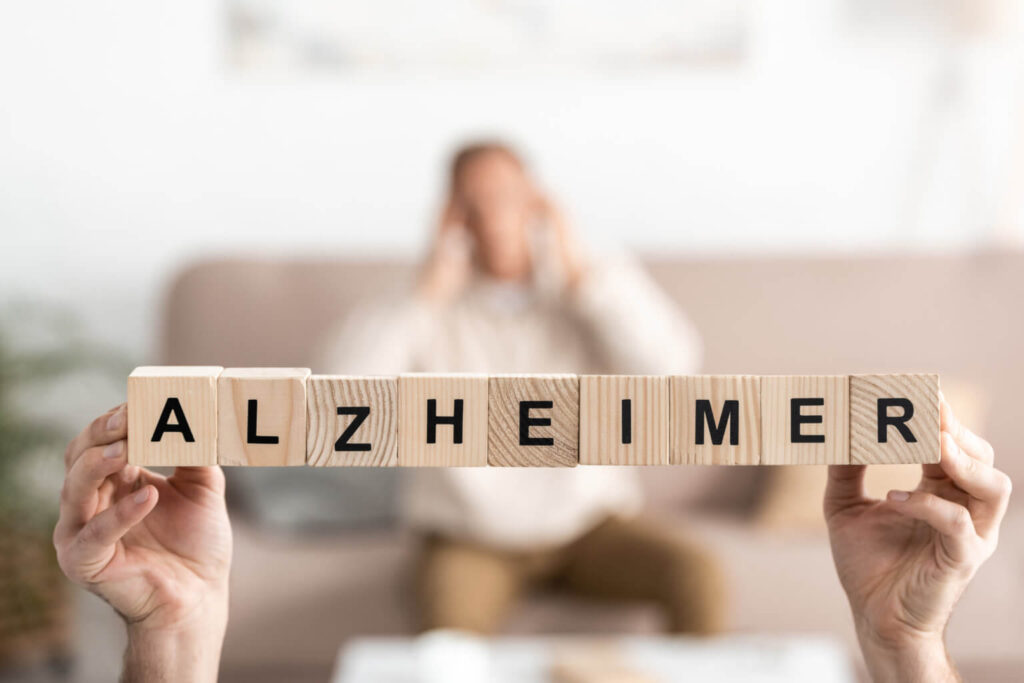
[[157, 549], [570, 255], [448, 266], [906, 560]]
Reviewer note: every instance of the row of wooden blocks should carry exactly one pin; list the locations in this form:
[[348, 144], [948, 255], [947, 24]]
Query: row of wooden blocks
[[286, 416]]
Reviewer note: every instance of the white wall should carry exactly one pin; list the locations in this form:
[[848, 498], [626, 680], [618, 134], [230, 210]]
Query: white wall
[[127, 149]]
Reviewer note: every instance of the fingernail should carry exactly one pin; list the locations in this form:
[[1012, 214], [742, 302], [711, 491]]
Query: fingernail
[[116, 420], [114, 450], [899, 495], [141, 496]]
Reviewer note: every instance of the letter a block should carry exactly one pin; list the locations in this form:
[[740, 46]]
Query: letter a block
[[533, 421], [716, 420], [805, 420], [442, 420], [351, 421], [262, 416], [894, 419], [624, 420], [172, 416]]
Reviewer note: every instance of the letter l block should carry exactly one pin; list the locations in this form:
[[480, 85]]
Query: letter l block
[[262, 416]]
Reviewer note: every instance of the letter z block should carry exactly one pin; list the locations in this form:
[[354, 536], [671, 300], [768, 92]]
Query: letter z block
[[533, 421], [894, 419], [172, 416], [716, 420], [805, 420], [351, 421], [262, 413], [624, 420], [442, 420]]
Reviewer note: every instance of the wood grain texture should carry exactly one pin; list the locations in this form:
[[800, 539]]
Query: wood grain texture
[[923, 393], [777, 393], [503, 431], [601, 423], [280, 395], [325, 394], [686, 391], [195, 388], [414, 392]]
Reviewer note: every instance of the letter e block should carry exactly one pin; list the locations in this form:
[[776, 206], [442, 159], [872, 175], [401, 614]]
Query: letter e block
[[716, 420], [172, 416], [262, 416], [533, 420], [442, 420], [894, 419], [805, 420], [351, 421], [624, 420]]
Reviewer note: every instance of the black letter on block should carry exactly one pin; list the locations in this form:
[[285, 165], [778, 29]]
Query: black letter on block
[[250, 428], [796, 419], [627, 421], [360, 413], [172, 406], [730, 416], [884, 420], [433, 420], [525, 422]]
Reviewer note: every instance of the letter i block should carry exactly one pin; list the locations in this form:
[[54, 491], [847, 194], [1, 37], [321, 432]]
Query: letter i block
[[262, 416], [805, 420], [624, 420], [351, 421], [172, 416], [533, 421], [894, 419], [716, 420], [442, 420]]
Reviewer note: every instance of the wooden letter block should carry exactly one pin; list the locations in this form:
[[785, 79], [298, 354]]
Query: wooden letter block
[[351, 421], [533, 421], [172, 416], [805, 420], [894, 419], [624, 420], [442, 420], [262, 416], [716, 420]]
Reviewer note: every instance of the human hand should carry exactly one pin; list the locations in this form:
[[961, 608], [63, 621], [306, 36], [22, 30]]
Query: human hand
[[906, 560], [448, 265], [157, 549], [570, 255]]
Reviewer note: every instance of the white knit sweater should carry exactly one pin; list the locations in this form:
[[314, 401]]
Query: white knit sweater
[[615, 321]]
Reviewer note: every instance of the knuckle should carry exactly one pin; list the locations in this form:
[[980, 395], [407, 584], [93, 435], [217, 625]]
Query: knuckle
[[962, 521], [1004, 485]]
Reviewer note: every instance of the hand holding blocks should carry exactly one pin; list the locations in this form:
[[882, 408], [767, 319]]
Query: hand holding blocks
[[276, 417]]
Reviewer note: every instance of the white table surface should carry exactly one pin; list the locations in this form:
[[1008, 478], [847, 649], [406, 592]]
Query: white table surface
[[458, 658]]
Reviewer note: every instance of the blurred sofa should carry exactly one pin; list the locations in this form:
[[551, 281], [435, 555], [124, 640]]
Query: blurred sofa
[[297, 597]]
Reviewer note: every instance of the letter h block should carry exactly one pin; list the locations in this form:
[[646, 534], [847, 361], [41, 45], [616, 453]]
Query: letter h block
[[442, 420], [716, 420], [172, 416], [262, 417]]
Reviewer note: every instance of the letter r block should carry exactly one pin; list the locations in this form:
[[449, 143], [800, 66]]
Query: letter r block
[[352, 421], [716, 420], [172, 416], [894, 419], [533, 420], [262, 416], [442, 420], [805, 420]]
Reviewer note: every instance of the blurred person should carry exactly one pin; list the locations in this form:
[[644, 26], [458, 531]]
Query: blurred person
[[158, 550], [506, 289]]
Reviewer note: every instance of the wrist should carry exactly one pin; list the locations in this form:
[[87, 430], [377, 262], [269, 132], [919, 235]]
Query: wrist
[[917, 657], [182, 647]]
